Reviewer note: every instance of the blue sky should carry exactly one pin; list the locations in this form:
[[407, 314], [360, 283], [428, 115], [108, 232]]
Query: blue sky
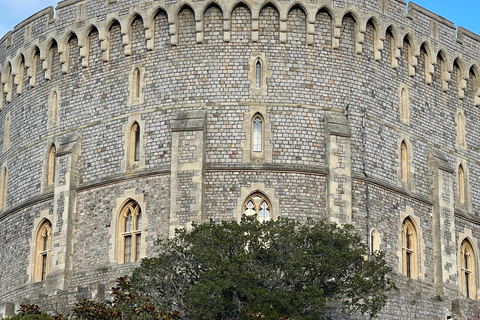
[[462, 12]]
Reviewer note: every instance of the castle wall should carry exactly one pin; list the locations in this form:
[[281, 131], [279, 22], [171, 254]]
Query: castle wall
[[334, 120]]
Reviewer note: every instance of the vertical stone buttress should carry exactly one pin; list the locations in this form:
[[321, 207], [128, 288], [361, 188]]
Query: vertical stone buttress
[[444, 247], [65, 184], [339, 179], [188, 153]]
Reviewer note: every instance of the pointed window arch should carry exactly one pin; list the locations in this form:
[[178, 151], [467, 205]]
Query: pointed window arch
[[20, 77], [43, 245], [135, 143], [468, 270], [257, 133], [409, 249], [130, 232], [257, 204], [404, 162], [51, 166]]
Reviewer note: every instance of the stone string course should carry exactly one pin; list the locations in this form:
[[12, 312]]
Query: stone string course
[[333, 71]]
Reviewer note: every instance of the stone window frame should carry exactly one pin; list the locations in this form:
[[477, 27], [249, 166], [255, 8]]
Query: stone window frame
[[128, 164], [419, 258], [409, 248], [259, 116], [257, 205], [248, 155], [6, 132], [43, 250], [45, 215], [404, 105], [53, 110], [115, 251], [45, 184], [51, 166], [3, 187], [466, 206], [258, 57], [405, 168], [136, 84], [129, 207], [461, 122], [375, 241], [467, 248], [257, 187]]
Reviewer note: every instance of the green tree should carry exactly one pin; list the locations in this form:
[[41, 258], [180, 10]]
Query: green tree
[[274, 269]]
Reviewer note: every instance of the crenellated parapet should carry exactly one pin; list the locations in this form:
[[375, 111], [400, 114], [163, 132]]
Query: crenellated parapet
[[423, 30]]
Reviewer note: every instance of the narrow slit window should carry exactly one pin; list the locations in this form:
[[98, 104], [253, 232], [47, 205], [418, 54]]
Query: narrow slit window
[[257, 134], [136, 83], [3, 189], [409, 249], [258, 72], [404, 162], [461, 185], [135, 143], [468, 270], [53, 109], [51, 166]]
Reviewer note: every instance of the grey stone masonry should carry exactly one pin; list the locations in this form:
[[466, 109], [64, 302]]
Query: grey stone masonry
[[363, 112]]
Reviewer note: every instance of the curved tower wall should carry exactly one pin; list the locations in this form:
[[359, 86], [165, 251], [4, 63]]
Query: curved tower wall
[[343, 85]]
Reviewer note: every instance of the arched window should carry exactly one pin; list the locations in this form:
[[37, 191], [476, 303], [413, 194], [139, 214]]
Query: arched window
[[404, 162], [468, 270], [136, 83], [43, 245], [51, 166], [258, 205], [3, 189], [257, 134], [258, 74], [130, 226], [6, 133], [135, 143], [461, 129], [409, 249]]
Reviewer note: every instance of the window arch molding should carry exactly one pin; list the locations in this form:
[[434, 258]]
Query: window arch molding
[[468, 268], [43, 247], [409, 248], [257, 204], [129, 232], [42, 217], [257, 188], [49, 165], [130, 200], [418, 271]]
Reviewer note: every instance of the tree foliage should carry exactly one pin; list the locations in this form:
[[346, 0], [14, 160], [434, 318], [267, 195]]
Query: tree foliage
[[272, 270]]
